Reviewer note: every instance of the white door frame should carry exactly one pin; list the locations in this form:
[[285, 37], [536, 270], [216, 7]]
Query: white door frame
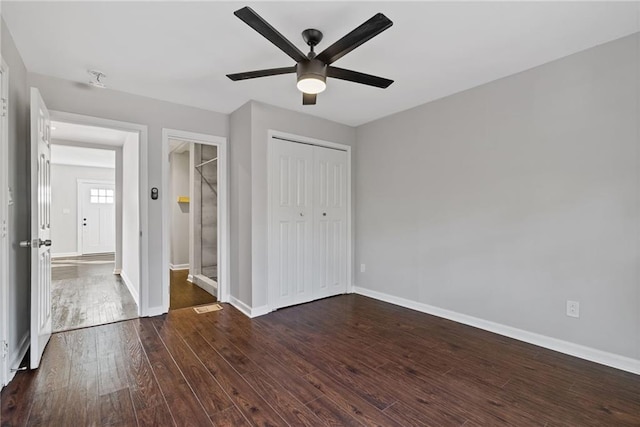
[[4, 225], [320, 143], [143, 177], [224, 248], [79, 183]]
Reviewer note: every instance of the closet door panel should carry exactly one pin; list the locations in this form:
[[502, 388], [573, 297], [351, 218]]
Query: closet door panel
[[330, 222], [291, 227]]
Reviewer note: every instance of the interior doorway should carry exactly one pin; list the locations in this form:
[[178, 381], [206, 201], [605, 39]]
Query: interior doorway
[[94, 218], [193, 176], [195, 213]]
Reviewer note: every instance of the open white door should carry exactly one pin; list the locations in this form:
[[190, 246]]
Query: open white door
[[40, 228]]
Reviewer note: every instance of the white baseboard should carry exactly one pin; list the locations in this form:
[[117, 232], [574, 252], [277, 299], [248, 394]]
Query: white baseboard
[[17, 356], [117, 271], [132, 290], [594, 355], [246, 310], [206, 284], [65, 254], [260, 311], [242, 307], [155, 311], [178, 266]]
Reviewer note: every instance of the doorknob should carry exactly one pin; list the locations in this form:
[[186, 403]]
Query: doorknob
[[44, 242], [25, 243], [301, 214], [324, 214]]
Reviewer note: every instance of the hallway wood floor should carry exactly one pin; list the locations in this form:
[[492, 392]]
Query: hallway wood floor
[[85, 292], [183, 293], [347, 360]]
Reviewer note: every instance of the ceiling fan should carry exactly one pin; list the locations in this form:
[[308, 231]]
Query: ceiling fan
[[312, 70]]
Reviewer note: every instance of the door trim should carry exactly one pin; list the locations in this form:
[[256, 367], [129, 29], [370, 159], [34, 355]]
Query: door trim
[[275, 134], [143, 201], [4, 227], [79, 183], [224, 248]]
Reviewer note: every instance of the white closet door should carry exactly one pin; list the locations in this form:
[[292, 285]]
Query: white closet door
[[291, 245], [330, 212]]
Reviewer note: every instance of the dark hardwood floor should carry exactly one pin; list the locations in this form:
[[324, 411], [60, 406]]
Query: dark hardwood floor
[[85, 292], [347, 360], [184, 293]]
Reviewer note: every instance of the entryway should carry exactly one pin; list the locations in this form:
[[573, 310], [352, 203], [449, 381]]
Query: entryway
[[196, 213], [92, 218]]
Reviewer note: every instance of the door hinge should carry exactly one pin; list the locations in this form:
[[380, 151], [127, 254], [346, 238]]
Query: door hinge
[[5, 107], [5, 349]]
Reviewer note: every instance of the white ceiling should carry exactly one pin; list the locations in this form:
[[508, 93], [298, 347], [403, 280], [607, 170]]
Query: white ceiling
[[81, 156], [181, 51], [88, 134]]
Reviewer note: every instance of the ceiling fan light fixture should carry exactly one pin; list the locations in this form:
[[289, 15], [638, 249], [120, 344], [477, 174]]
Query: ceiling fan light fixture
[[312, 76], [311, 84]]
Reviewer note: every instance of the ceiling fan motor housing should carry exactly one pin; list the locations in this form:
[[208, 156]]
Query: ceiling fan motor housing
[[313, 68]]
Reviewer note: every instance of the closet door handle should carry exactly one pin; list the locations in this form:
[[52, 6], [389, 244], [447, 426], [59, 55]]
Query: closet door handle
[[324, 214], [301, 214]]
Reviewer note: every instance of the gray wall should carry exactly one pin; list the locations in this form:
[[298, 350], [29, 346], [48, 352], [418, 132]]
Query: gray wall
[[64, 196], [240, 200], [131, 218], [179, 182], [67, 96], [19, 224], [506, 200]]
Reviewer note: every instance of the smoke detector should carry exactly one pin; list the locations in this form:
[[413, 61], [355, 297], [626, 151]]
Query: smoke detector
[[97, 75]]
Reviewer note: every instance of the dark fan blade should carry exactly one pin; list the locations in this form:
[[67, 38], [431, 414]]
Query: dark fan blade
[[255, 21], [261, 73], [354, 76], [355, 38], [309, 98]]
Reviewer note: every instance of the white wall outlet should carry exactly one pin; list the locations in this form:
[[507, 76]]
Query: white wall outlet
[[362, 268], [573, 309]]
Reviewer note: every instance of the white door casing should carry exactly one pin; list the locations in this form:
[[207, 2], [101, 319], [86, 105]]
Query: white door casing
[[96, 217], [40, 228], [320, 173], [330, 222], [291, 245], [223, 242], [4, 224]]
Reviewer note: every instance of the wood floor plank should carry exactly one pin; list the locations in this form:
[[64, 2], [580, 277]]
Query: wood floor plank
[[144, 388], [331, 413], [116, 409], [247, 400], [290, 409], [155, 416], [230, 417], [349, 401], [204, 385], [184, 405]]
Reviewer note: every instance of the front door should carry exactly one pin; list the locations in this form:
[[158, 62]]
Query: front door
[[40, 242], [97, 217]]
